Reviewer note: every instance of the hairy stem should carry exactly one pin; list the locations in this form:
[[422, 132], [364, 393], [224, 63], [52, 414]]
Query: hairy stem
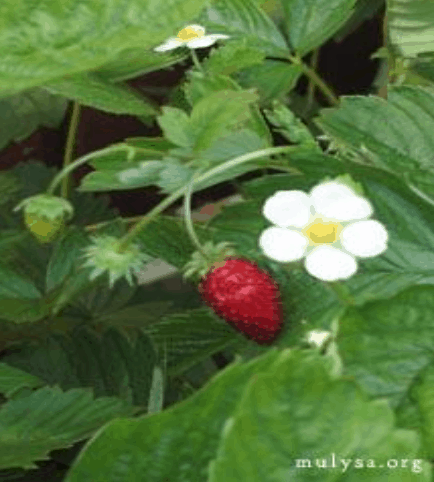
[[134, 230], [70, 143], [316, 79]]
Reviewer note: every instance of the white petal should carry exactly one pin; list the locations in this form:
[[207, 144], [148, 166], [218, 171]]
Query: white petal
[[337, 201], [288, 208], [365, 238], [204, 41], [170, 44], [330, 264], [283, 245]]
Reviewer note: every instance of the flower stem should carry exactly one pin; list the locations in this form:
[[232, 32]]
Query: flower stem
[[196, 60], [82, 160], [134, 230], [70, 142], [187, 217], [316, 79], [311, 86], [342, 293]]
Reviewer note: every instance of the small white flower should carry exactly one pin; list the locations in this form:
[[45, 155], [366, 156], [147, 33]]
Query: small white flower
[[329, 227], [317, 337], [193, 37]]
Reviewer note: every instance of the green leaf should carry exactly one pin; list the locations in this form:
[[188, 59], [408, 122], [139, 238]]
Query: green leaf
[[186, 339], [403, 145], [149, 145], [50, 419], [233, 145], [24, 310], [175, 124], [156, 395], [289, 125], [100, 301], [12, 380], [13, 285], [422, 392], [174, 176], [200, 86], [179, 443], [411, 25], [9, 186], [310, 23], [423, 66], [385, 344], [259, 418], [363, 10], [130, 175], [215, 114], [49, 42], [136, 62], [232, 57], [165, 237], [243, 19], [136, 315], [110, 364], [273, 79], [64, 257], [94, 91], [21, 115], [295, 416]]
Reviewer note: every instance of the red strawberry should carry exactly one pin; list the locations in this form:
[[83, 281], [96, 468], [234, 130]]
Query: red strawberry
[[245, 296]]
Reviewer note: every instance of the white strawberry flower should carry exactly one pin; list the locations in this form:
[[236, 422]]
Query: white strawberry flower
[[192, 36], [329, 227]]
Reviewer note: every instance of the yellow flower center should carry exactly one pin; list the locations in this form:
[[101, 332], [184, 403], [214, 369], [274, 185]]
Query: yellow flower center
[[321, 232], [189, 33]]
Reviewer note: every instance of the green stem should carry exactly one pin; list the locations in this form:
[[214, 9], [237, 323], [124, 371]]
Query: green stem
[[187, 217], [342, 293], [196, 60], [82, 160], [70, 142], [311, 86], [316, 79], [132, 233]]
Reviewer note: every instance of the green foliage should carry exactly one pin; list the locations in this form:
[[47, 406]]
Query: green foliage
[[93, 91], [180, 442], [12, 380], [78, 352], [49, 419], [49, 40], [188, 338], [309, 23], [243, 19], [289, 125], [404, 142], [233, 57], [110, 364], [273, 79], [411, 24], [256, 419], [385, 344], [22, 114]]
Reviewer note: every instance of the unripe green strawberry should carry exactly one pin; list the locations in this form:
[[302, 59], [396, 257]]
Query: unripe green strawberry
[[42, 228], [45, 215]]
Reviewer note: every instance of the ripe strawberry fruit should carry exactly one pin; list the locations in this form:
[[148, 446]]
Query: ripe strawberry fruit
[[245, 296]]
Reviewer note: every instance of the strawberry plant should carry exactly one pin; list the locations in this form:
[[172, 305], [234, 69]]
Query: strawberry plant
[[293, 339]]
